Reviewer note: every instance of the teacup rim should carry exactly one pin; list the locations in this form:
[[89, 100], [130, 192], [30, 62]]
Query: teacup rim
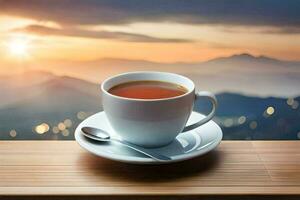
[[147, 100]]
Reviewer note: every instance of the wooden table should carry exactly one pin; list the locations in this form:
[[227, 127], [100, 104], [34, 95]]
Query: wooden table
[[251, 169]]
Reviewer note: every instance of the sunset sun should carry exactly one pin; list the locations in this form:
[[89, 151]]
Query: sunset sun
[[18, 47]]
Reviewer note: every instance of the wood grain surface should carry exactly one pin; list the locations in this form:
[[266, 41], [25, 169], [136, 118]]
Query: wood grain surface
[[63, 168]]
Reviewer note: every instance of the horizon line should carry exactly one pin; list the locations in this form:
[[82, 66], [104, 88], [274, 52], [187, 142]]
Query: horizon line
[[178, 62]]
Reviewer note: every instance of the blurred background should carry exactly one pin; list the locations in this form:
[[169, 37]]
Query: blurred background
[[55, 54]]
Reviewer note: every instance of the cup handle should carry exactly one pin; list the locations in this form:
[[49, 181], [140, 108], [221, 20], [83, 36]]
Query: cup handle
[[214, 102]]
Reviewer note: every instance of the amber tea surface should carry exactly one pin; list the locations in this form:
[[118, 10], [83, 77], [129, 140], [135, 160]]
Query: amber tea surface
[[148, 90]]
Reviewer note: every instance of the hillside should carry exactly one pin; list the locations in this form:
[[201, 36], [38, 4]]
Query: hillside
[[52, 102]]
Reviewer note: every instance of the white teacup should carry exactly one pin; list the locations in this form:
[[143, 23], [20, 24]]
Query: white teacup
[[152, 122]]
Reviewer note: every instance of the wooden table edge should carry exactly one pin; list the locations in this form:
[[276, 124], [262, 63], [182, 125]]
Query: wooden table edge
[[140, 191]]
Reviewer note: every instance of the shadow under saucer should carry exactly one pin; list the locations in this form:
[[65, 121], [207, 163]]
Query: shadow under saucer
[[150, 173]]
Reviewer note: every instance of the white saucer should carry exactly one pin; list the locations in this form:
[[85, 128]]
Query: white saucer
[[186, 146]]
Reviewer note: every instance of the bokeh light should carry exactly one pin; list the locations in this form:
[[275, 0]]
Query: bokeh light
[[228, 122], [270, 110], [68, 123], [13, 133], [55, 130], [65, 132], [290, 101], [81, 115], [253, 125], [242, 119], [42, 128], [61, 126]]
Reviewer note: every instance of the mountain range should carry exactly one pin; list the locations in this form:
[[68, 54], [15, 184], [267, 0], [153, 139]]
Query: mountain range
[[243, 73]]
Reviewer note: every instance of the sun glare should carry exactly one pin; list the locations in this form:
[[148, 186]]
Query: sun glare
[[18, 47]]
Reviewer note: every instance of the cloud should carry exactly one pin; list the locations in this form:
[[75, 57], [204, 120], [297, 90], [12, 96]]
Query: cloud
[[284, 30], [75, 32], [262, 30], [276, 13]]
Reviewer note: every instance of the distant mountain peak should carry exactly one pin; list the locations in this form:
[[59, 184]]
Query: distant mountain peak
[[244, 55], [252, 57], [247, 57]]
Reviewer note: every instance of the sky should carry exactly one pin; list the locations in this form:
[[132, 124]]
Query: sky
[[160, 30]]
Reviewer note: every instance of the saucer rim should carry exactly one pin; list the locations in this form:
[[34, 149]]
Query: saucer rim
[[144, 160]]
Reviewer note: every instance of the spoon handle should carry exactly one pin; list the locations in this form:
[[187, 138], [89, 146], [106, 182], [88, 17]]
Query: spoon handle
[[147, 152]]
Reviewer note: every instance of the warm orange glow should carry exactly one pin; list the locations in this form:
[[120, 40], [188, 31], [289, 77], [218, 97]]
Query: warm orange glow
[[18, 47], [47, 50]]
